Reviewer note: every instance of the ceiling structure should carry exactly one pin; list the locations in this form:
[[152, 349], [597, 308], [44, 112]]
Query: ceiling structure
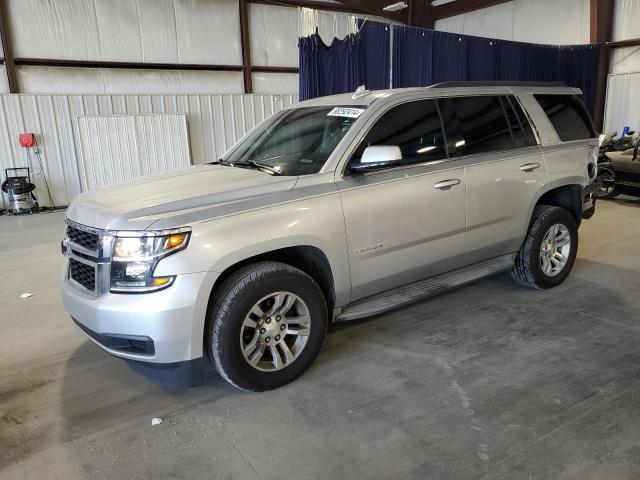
[[420, 13], [417, 13]]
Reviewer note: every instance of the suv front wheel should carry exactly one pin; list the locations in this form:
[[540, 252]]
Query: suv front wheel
[[549, 250], [267, 325]]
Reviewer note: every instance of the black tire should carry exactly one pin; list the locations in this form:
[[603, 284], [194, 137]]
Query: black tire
[[604, 174], [233, 301], [527, 270]]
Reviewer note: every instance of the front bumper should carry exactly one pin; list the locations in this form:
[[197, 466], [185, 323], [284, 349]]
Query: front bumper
[[158, 327]]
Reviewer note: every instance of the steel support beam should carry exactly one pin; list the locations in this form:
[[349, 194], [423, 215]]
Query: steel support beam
[[5, 38], [246, 46], [315, 4], [459, 7], [52, 62], [600, 29]]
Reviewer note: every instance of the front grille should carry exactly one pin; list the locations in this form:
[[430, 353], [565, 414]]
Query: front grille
[[84, 239], [82, 273]]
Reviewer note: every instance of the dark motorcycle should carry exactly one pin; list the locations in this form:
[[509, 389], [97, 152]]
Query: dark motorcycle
[[619, 173]]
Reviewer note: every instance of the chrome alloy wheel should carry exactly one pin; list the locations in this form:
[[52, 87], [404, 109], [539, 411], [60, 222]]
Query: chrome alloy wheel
[[555, 249], [275, 331]]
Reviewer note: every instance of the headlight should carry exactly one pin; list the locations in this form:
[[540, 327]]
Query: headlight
[[135, 256]]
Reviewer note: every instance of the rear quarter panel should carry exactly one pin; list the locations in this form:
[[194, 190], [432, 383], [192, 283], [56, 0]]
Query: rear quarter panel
[[566, 162]]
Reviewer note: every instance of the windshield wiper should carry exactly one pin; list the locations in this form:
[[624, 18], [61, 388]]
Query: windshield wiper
[[220, 161], [257, 166]]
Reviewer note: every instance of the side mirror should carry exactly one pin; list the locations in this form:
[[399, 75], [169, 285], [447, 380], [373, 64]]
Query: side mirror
[[377, 158]]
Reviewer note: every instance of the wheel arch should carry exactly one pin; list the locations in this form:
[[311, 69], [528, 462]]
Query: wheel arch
[[308, 258], [568, 197]]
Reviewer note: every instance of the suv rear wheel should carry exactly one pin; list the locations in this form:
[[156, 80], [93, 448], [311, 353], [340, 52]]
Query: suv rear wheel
[[549, 250], [267, 325]]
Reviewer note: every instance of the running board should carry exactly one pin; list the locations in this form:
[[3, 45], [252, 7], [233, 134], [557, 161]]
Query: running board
[[414, 292]]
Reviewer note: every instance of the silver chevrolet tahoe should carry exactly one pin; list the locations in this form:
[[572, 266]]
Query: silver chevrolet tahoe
[[336, 209]]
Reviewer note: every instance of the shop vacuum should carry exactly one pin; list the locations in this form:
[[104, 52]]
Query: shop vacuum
[[18, 190]]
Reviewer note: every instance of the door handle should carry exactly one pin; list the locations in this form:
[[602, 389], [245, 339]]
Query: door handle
[[446, 184], [529, 167]]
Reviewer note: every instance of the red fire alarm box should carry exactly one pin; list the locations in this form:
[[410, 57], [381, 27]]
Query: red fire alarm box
[[27, 139]]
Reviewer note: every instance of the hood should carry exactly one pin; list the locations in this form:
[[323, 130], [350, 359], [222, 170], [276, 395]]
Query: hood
[[137, 204]]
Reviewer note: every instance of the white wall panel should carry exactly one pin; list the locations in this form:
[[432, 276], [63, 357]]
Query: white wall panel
[[623, 102], [116, 148], [158, 34], [118, 30], [536, 21], [275, 83], [215, 123], [68, 80], [208, 31], [623, 87], [4, 80], [64, 29], [178, 31], [273, 35], [626, 20], [625, 59]]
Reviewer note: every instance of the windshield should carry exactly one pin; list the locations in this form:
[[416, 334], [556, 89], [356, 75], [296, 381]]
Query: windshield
[[297, 141]]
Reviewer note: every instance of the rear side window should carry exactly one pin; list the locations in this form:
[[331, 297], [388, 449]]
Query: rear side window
[[475, 125], [520, 127], [568, 116], [414, 127]]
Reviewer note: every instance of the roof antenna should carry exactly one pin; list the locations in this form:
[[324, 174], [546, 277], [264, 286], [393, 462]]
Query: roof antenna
[[361, 91]]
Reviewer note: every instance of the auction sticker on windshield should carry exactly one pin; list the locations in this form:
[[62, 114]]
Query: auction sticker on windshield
[[349, 112]]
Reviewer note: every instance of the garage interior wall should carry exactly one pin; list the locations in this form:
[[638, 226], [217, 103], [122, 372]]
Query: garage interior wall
[[206, 32], [190, 32], [623, 85], [196, 32], [215, 123], [564, 22]]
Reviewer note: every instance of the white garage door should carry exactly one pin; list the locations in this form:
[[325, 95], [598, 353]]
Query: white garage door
[[114, 148]]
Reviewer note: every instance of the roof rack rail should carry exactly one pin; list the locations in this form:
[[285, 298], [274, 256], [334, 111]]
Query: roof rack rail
[[498, 84]]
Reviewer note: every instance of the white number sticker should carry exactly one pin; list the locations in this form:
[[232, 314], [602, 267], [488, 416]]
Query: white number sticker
[[346, 112]]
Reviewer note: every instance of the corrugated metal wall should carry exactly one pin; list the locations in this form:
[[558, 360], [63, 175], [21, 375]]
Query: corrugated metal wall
[[215, 123], [623, 102], [116, 148]]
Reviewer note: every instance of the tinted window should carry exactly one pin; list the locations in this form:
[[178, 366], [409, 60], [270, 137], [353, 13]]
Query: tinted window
[[296, 142], [568, 116], [475, 125], [520, 127], [414, 127]]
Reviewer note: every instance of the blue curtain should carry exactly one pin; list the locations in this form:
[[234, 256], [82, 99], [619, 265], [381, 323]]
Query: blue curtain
[[413, 58], [423, 57], [374, 38], [359, 59], [327, 70]]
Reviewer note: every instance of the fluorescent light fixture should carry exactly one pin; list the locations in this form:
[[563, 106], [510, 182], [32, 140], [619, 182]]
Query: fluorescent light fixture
[[426, 149], [460, 143], [394, 7]]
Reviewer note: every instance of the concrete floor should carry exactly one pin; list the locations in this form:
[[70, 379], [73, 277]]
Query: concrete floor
[[488, 381]]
